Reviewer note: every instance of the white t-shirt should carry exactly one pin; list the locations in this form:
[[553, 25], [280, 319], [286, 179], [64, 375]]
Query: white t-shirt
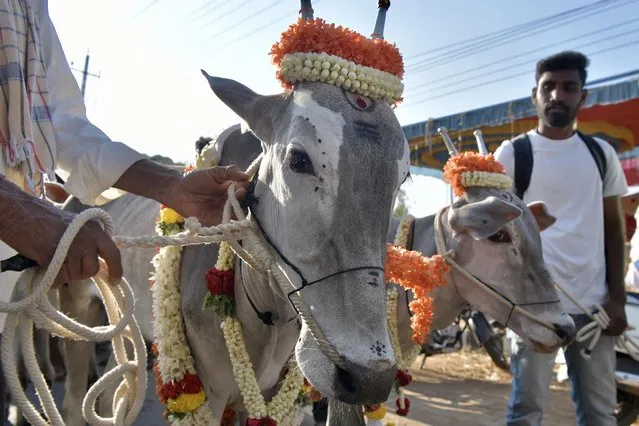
[[566, 178]]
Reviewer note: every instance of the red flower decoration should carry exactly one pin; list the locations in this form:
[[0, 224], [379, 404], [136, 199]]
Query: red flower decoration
[[220, 282], [403, 378], [189, 384], [400, 411], [372, 408], [264, 421]]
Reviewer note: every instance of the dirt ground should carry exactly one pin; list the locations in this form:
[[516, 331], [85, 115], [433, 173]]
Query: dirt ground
[[465, 388]]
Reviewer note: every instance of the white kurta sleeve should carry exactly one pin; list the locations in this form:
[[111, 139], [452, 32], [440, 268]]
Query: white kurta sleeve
[[92, 159]]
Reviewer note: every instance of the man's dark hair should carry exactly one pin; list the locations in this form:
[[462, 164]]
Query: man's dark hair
[[568, 60], [201, 143]]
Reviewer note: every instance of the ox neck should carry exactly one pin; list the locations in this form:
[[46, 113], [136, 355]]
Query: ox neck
[[256, 301]]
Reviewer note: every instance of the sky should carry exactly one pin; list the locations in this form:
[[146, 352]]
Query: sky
[[151, 95]]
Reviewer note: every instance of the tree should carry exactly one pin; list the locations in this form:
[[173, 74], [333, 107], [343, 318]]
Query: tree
[[401, 211]]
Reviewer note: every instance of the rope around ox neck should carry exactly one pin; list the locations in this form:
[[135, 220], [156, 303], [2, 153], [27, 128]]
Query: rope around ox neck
[[593, 330], [119, 302], [449, 255]]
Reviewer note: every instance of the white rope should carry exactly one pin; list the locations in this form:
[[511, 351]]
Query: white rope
[[594, 329], [35, 309]]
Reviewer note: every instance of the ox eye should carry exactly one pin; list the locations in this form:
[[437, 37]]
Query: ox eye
[[299, 162], [500, 237]]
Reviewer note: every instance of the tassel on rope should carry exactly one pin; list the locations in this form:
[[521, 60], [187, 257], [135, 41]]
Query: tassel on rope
[[378, 32], [306, 10]]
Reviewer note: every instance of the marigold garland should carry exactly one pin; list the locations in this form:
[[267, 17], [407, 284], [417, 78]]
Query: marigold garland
[[318, 36], [412, 270], [459, 168], [313, 50]]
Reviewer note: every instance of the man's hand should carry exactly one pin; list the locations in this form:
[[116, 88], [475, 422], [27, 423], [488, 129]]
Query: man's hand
[[203, 193], [616, 310], [33, 228]]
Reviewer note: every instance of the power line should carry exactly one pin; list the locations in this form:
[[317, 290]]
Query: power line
[[510, 77], [234, 9], [256, 30], [527, 62], [206, 6], [246, 18], [614, 36], [145, 9], [505, 30], [500, 61], [473, 50]]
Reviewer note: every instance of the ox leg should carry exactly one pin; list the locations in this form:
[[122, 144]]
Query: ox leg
[[43, 348], [77, 302]]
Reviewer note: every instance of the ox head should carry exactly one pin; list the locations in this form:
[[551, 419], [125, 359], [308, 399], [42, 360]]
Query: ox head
[[496, 238], [332, 164]]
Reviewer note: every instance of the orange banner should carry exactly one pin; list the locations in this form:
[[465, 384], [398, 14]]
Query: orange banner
[[617, 123]]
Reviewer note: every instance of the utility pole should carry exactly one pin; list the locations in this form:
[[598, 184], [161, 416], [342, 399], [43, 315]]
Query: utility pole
[[85, 73]]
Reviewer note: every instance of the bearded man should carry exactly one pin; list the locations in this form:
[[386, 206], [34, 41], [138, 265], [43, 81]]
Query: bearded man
[[580, 179]]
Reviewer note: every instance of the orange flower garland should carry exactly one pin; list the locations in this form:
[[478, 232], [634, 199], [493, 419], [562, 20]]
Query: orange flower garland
[[313, 50], [469, 162], [412, 270], [317, 36]]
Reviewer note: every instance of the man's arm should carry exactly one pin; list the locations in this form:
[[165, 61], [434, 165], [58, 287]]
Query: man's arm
[[92, 159], [33, 228], [614, 187], [614, 232], [96, 163]]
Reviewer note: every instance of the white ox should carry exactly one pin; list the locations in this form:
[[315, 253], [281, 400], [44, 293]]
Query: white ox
[[515, 271], [329, 175]]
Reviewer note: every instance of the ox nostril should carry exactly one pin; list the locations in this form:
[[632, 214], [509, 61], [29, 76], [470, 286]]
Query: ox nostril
[[345, 379]]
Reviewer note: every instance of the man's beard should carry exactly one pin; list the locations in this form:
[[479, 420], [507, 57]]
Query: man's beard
[[559, 119]]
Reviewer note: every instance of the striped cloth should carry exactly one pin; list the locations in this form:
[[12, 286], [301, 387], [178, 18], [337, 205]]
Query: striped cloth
[[26, 130]]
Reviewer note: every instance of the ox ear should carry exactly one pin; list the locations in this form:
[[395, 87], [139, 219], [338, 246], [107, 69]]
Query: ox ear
[[483, 218], [55, 192], [258, 111], [540, 212]]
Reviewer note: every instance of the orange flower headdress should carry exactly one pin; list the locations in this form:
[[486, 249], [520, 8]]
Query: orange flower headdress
[[313, 50], [468, 169]]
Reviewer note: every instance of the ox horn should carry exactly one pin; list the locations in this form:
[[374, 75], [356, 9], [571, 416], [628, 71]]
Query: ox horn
[[306, 10], [452, 151], [481, 145], [378, 32]]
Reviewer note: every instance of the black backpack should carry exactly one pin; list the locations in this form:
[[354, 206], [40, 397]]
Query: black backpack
[[524, 160]]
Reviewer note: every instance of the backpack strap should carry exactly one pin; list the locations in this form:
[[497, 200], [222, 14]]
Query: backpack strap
[[523, 163], [597, 153]]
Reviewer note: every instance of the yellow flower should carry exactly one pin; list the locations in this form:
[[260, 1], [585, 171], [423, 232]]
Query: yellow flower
[[377, 414], [170, 216], [186, 402]]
